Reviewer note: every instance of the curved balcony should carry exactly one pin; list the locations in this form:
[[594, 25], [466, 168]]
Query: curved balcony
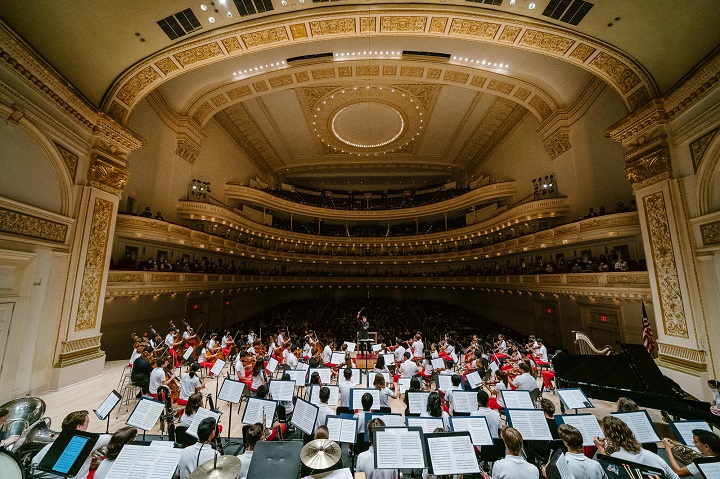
[[483, 195]]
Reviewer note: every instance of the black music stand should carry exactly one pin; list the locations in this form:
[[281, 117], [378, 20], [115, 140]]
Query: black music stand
[[275, 459]]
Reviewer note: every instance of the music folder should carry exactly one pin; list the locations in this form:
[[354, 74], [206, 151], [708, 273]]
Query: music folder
[[231, 391], [709, 467], [640, 424], [683, 430], [341, 429], [356, 395], [474, 380], [451, 453], [146, 413], [530, 423], [304, 416], [518, 399], [338, 357], [69, 452], [275, 459], [574, 398], [621, 469], [417, 401], [558, 468], [254, 411], [142, 462], [587, 424], [388, 419], [477, 426], [107, 406], [399, 448]]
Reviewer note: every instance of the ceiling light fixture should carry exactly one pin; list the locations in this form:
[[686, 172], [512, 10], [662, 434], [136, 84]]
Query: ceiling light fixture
[[211, 19], [203, 7], [531, 6]]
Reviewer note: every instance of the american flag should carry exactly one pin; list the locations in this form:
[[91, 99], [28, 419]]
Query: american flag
[[648, 338]]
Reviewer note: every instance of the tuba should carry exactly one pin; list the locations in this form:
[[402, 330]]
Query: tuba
[[23, 412], [33, 439]]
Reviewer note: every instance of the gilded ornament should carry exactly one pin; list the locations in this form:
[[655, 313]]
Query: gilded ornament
[[478, 81], [438, 24], [622, 76], [557, 144], [339, 26], [698, 147], [403, 24], [521, 93], [406, 71], [232, 44], [166, 65], [501, 86], [582, 52], [106, 175], [433, 73], [187, 150], [239, 92], [541, 106], [455, 76], [298, 31], [321, 73], [710, 233], [302, 77], [367, 70], [164, 278], [474, 28], [117, 112], [219, 99], [582, 279], [345, 71], [94, 268], [509, 34], [638, 98], [202, 112], [70, 159], [137, 84], [198, 54], [26, 225], [265, 37], [655, 164], [367, 24], [125, 277], [280, 81], [493, 120], [260, 86], [623, 278], [389, 70], [548, 42], [666, 274]]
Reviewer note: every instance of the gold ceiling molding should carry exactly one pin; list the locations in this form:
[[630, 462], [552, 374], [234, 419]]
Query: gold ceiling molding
[[70, 159], [524, 93], [189, 135], [628, 77], [236, 119], [698, 147], [498, 113], [18, 223]]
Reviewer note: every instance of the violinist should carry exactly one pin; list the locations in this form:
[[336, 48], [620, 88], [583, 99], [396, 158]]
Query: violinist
[[290, 359], [190, 383], [159, 377], [307, 347], [227, 342], [259, 376], [251, 337], [327, 353], [171, 343], [281, 339], [244, 363], [213, 343]]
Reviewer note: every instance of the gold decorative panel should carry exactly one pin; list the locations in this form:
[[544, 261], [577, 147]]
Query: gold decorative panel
[[345, 71], [239, 92], [403, 24], [521, 93], [509, 34], [710, 233], [298, 30], [280, 81], [389, 70], [302, 77], [698, 147], [412, 71], [260, 86], [70, 159], [94, 268], [433, 73], [137, 84], [438, 24], [582, 52], [202, 112], [367, 25], [632, 278], [546, 41], [621, 75], [31, 226], [117, 112], [123, 277], [232, 44], [367, 70], [638, 98], [219, 100], [455, 76], [501, 86], [321, 73], [478, 81], [265, 37], [166, 65], [654, 164], [198, 54], [107, 175], [666, 274], [474, 28], [541, 106], [339, 26]]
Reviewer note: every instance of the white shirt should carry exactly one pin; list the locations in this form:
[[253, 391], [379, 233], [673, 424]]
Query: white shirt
[[366, 463], [258, 380], [291, 360], [583, 467], [427, 367], [102, 441], [134, 356], [307, 349], [384, 394], [323, 412], [525, 382], [514, 467], [169, 340], [408, 369], [501, 387], [418, 348], [251, 338], [281, 340], [327, 354], [542, 353], [103, 468], [194, 456], [245, 459], [345, 387], [450, 351], [188, 385], [157, 377], [399, 354], [186, 420], [212, 343], [648, 458], [360, 416], [492, 417], [502, 347]]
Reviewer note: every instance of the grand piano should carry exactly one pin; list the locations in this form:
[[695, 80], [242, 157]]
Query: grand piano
[[632, 373]]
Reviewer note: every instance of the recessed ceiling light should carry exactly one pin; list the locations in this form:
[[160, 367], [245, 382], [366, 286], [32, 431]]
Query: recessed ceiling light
[[203, 7], [531, 6], [211, 19], [229, 14], [512, 2], [284, 3]]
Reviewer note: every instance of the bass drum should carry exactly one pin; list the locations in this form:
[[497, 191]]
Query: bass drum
[[10, 466]]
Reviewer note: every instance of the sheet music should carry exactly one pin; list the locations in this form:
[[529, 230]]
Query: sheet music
[[371, 378], [341, 430], [324, 373], [563, 468], [188, 352], [162, 444], [417, 401], [390, 420], [334, 395], [710, 470], [304, 416], [389, 359], [140, 462], [108, 405], [298, 376], [231, 391], [438, 363], [302, 366], [254, 411], [356, 375], [494, 367], [404, 384], [282, 390], [464, 401], [350, 346], [336, 474], [452, 455], [338, 357], [684, 429], [517, 400], [531, 423], [587, 424], [399, 449], [145, 414], [201, 414], [218, 367], [444, 382], [639, 423], [376, 347], [574, 398], [474, 379], [428, 424], [272, 365], [477, 427], [357, 394]]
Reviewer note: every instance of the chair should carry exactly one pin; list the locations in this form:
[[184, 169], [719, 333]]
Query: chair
[[535, 394], [493, 453], [343, 410], [183, 438], [124, 377], [386, 409]]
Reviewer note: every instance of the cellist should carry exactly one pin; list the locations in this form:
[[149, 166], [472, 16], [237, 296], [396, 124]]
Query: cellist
[[171, 343], [159, 377]]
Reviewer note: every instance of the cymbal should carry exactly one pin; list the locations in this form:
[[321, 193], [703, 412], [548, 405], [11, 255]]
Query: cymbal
[[228, 467], [320, 454]]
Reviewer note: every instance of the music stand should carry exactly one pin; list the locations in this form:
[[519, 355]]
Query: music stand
[[232, 393], [103, 411], [145, 414], [68, 453], [709, 466], [587, 424], [403, 444], [341, 429], [451, 453], [275, 459], [557, 467]]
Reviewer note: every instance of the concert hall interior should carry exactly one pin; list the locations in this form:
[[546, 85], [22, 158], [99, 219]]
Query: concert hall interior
[[449, 168]]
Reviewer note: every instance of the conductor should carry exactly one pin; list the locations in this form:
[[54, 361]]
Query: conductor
[[363, 332]]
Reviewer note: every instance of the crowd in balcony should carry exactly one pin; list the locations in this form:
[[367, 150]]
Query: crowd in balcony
[[369, 201], [369, 231]]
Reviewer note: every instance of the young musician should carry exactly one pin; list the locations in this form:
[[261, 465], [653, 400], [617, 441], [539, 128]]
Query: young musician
[[346, 385], [418, 347], [259, 376], [399, 350], [434, 409], [380, 366], [579, 464], [385, 392], [620, 442], [76, 421], [193, 404], [503, 384], [123, 436], [525, 381], [491, 416], [455, 380], [255, 434], [278, 429], [706, 442], [408, 368], [324, 411], [513, 466], [541, 355], [366, 460], [190, 384], [327, 354], [367, 401], [141, 370], [5, 441], [199, 453], [158, 377], [715, 388], [289, 356], [171, 343]]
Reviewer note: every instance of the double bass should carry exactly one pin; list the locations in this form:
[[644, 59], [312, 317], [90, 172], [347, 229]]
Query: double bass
[[193, 341]]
